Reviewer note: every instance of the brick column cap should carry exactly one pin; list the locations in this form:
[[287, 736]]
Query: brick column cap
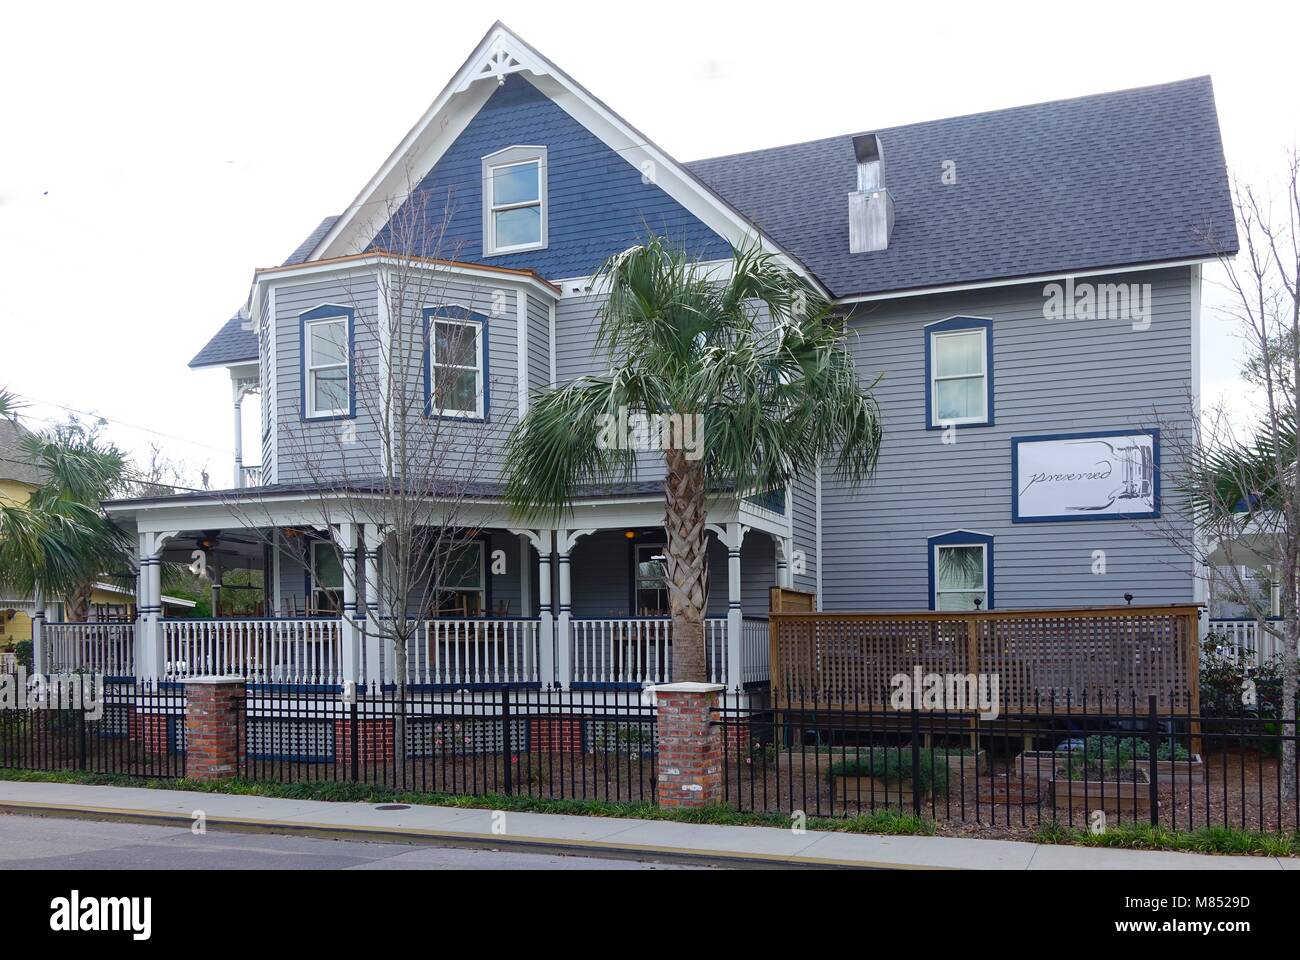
[[688, 687], [213, 680]]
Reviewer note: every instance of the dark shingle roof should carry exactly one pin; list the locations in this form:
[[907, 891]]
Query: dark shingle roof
[[236, 342], [378, 485], [14, 464], [1119, 178]]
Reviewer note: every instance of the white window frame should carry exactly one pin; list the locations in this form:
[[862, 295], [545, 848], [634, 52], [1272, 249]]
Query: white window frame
[[982, 592], [935, 338], [313, 368], [477, 328], [513, 157]]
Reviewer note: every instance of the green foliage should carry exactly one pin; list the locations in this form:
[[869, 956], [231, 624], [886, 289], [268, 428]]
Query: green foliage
[[759, 358], [894, 764], [60, 541], [1222, 681], [23, 653], [1219, 840]]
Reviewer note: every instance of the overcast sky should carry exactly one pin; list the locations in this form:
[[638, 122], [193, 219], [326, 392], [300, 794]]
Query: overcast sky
[[154, 155]]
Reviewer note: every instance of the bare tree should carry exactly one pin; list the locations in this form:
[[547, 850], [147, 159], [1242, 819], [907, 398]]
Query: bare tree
[[413, 453], [1241, 483]]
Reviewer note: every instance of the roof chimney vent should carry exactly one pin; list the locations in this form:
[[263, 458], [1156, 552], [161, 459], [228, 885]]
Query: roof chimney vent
[[871, 208]]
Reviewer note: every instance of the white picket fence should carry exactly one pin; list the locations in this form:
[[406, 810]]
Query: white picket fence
[[1247, 638], [264, 651]]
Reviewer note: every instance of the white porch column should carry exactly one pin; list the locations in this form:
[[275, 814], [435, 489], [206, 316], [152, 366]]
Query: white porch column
[[735, 616], [150, 657], [240, 387], [40, 655], [784, 554], [732, 536], [542, 541], [239, 438], [375, 652], [350, 656], [564, 542]]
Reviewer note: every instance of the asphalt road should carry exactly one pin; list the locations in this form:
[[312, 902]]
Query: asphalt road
[[36, 843]]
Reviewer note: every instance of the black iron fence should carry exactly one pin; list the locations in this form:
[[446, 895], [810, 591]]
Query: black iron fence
[[1094, 762], [132, 728], [588, 745], [1111, 759]]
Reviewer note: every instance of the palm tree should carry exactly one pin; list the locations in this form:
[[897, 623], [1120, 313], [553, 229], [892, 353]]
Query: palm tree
[[59, 543], [758, 361]]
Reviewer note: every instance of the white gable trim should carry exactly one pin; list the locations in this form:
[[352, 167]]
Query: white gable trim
[[498, 55]]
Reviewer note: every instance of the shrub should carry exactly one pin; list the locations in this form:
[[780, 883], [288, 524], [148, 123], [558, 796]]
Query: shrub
[[23, 652], [894, 764]]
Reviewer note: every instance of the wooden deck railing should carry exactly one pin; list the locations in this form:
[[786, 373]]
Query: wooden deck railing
[[1040, 657]]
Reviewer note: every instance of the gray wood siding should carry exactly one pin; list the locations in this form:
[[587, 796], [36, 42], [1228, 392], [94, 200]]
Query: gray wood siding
[[539, 344], [1050, 376], [326, 449], [316, 450]]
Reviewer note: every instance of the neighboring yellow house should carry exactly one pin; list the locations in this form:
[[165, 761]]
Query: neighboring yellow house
[[17, 482]]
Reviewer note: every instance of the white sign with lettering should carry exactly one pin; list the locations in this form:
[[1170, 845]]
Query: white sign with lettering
[[1086, 476]]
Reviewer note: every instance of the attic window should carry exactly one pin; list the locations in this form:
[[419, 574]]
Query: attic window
[[514, 200]]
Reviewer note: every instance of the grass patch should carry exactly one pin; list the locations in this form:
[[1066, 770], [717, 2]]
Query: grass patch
[[1222, 840], [881, 822]]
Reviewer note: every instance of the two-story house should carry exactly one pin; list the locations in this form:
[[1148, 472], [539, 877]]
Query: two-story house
[[1025, 283]]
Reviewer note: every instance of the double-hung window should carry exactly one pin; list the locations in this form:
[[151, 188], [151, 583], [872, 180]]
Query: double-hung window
[[961, 571], [514, 200], [959, 373], [456, 348], [327, 364]]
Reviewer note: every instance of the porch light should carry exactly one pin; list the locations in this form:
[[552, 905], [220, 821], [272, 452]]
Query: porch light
[[630, 534]]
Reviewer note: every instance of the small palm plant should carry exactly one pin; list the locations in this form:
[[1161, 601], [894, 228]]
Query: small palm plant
[[59, 542], [756, 360]]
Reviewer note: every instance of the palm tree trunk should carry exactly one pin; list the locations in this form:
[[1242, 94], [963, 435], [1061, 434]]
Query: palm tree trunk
[[687, 562]]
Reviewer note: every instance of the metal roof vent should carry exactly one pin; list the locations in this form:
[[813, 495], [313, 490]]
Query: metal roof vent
[[871, 208]]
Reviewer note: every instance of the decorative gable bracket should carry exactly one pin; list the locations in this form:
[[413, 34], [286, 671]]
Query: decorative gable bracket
[[500, 57]]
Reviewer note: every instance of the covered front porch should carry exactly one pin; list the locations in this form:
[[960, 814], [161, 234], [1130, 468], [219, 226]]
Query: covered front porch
[[570, 607]]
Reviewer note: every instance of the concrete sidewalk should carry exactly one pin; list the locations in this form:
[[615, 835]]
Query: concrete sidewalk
[[753, 846]]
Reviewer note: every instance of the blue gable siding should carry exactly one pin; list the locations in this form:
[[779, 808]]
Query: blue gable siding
[[597, 202]]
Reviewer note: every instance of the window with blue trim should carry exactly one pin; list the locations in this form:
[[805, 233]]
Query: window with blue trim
[[455, 367], [961, 571], [327, 363], [959, 373]]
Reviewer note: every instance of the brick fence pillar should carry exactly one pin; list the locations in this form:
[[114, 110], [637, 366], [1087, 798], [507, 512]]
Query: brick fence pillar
[[213, 747], [690, 745]]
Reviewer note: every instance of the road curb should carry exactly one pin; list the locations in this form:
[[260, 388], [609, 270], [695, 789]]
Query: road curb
[[458, 838]]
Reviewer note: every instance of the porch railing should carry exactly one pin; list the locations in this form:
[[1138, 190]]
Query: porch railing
[[107, 648], [756, 650], [250, 476], [1247, 638], [491, 651], [264, 651], [627, 650], [638, 650]]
